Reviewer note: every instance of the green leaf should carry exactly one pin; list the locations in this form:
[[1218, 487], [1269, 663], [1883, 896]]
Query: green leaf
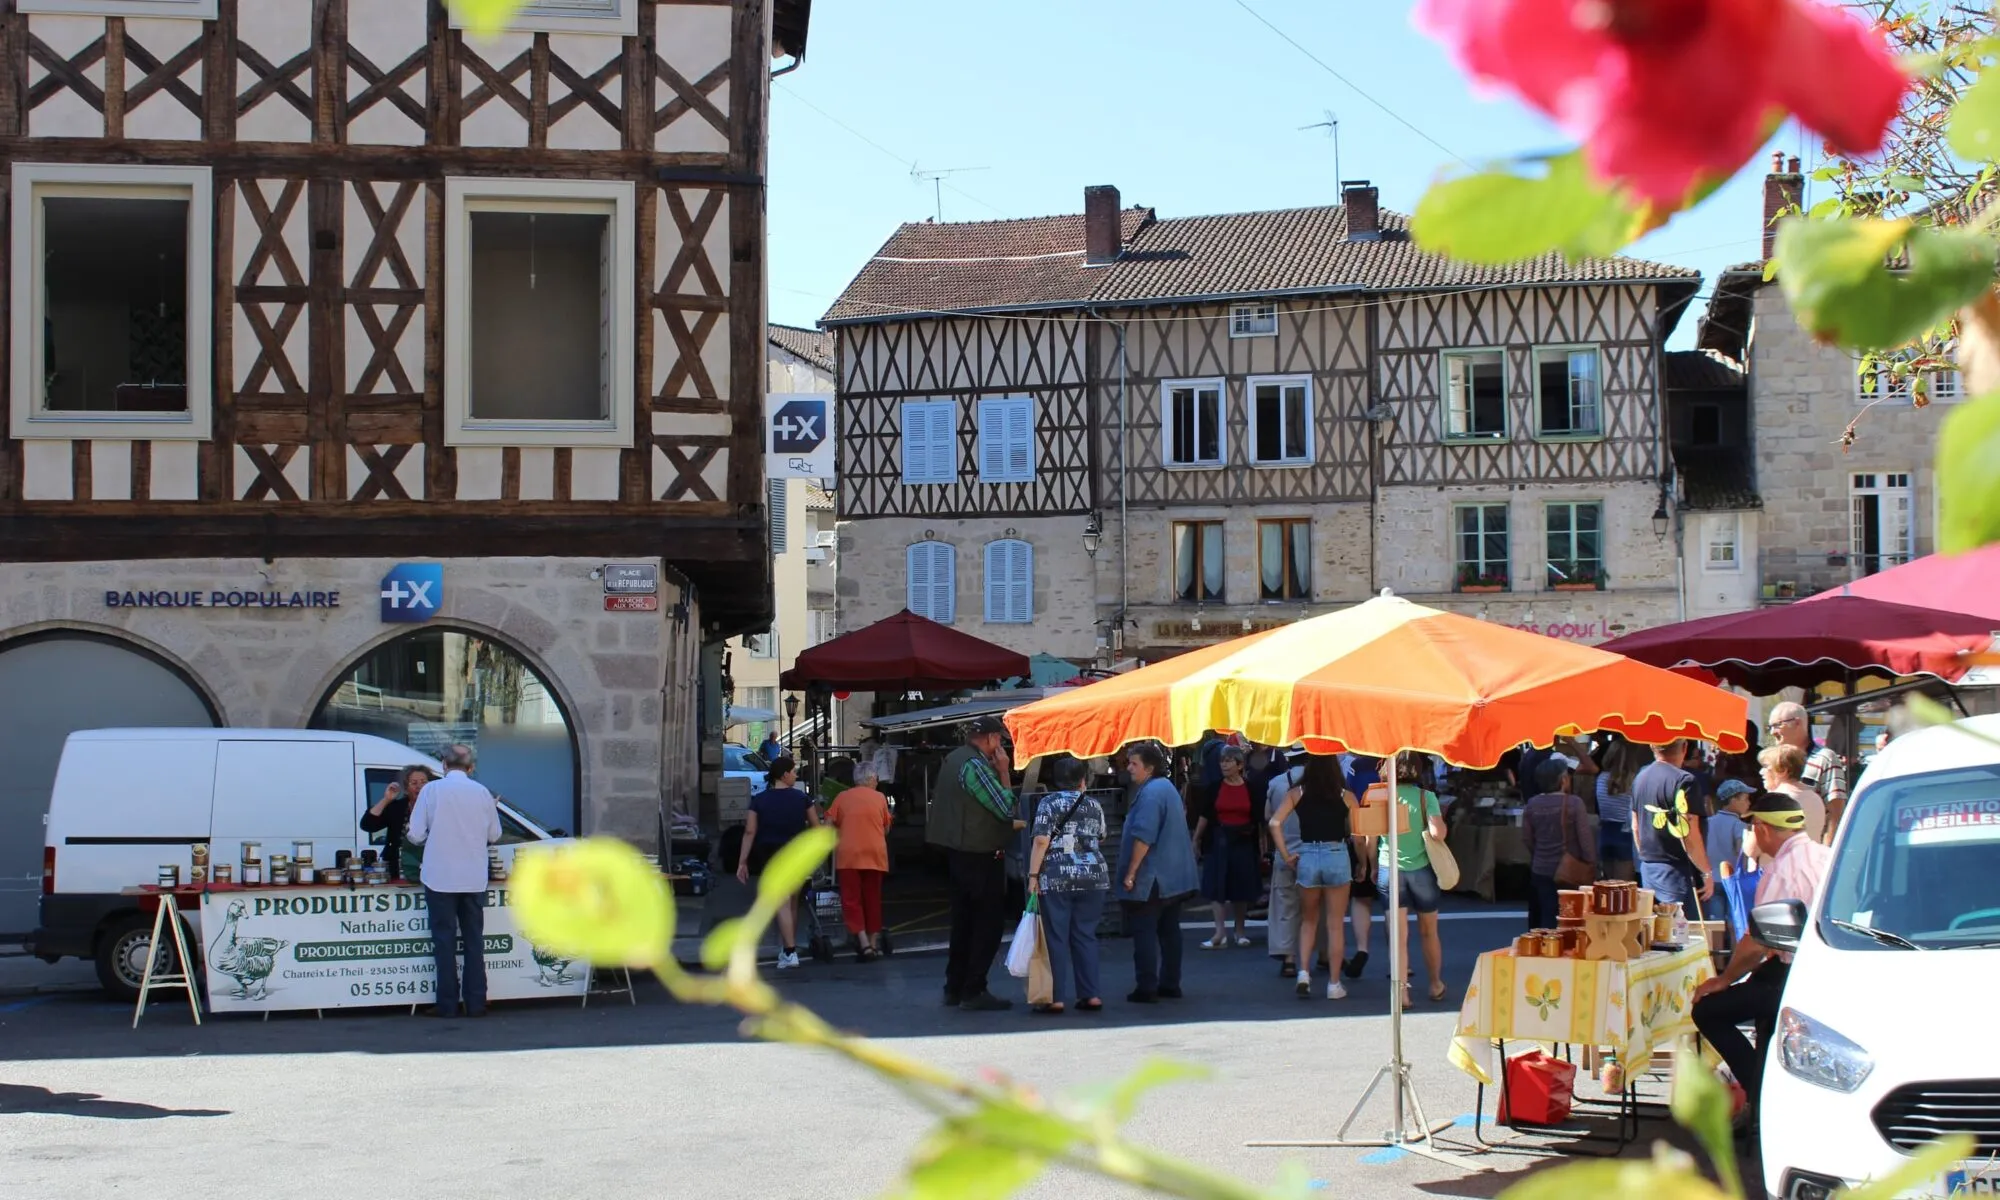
[[1119, 1100], [1829, 207], [953, 1166], [1929, 1163], [1614, 1181], [484, 18], [1837, 277], [1500, 217], [1968, 475], [1012, 1125], [790, 867], [721, 941], [1975, 121], [1904, 183], [1701, 1105]]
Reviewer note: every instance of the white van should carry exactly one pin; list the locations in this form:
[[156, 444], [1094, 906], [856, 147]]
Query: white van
[[1885, 1041], [127, 801]]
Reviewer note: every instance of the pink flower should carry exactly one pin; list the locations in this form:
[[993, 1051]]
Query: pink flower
[[1666, 94]]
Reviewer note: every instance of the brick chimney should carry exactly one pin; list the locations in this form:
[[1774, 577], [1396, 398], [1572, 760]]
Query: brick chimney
[[1101, 234], [1784, 188], [1364, 210]]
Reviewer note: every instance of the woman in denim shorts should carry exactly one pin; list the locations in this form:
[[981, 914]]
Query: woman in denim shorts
[[1322, 802], [1421, 893]]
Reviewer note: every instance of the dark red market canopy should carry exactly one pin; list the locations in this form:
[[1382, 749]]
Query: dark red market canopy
[[1960, 583], [903, 653], [1803, 645]]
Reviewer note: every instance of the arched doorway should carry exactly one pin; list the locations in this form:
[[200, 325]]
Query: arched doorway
[[435, 686], [51, 685]]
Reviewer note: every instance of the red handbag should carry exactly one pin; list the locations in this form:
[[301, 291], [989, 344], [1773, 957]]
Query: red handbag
[[1540, 1089]]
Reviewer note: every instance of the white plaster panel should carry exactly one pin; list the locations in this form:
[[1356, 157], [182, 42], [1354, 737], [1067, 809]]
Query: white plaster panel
[[246, 349], [65, 114], [110, 470], [693, 38], [410, 472], [176, 471], [692, 424], [279, 32], [493, 123], [386, 33], [297, 472], [715, 475], [691, 133], [248, 233], [360, 351], [593, 473], [538, 473], [583, 128], [46, 470], [360, 235], [716, 246], [163, 115], [478, 472]]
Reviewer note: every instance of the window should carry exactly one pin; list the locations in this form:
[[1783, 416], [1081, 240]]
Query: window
[[1705, 425], [1947, 387], [780, 516], [1475, 394], [824, 625], [761, 645], [1281, 421], [931, 580], [1010, 582], [1007, 440], [1284, 559], [538, 312], [1253, 320], [1882, 524], [1722, 553], [1192, 422], [193, 9], [111, 329], [1576, 543], [1567, 391], [1878, 383], [619, 17], [1198, 561], [930, 441], [1482, 550]]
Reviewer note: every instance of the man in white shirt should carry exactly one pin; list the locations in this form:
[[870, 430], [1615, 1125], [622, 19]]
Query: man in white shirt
[[454, 820]]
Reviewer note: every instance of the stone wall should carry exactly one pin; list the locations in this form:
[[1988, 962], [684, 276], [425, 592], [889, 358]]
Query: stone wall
[[271, 668], [1417, 556]]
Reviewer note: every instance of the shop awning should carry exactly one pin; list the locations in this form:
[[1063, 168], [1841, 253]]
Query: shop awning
[[953, 714], [1961, 583], [904, 653]]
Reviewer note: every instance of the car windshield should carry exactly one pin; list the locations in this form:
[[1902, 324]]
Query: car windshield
[[736, 758], [1920, 861]]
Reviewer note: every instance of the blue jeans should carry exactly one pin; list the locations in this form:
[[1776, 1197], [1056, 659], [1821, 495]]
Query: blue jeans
[[1542, 904], [1421, 893], [457, 916], [1669, 884], [1324, 865], [1156, 943], [1069, 921]]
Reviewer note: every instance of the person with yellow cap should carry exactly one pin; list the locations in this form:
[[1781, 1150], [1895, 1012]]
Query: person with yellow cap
[[1752, 985]]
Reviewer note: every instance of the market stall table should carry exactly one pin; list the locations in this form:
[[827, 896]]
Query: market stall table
[[1627, 1008]]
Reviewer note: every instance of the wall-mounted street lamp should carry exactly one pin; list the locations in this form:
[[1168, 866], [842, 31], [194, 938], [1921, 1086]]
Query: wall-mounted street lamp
[[1093, 533]]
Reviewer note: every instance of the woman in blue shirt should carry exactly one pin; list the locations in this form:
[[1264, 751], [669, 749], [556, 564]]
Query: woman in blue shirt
[[778, 814], [1156, 875]]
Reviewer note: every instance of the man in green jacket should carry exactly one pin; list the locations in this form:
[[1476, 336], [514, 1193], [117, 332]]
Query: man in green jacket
[[972, 820]]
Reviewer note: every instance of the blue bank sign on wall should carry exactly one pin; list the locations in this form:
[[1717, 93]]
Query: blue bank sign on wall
[[221, 599], [412, 592]]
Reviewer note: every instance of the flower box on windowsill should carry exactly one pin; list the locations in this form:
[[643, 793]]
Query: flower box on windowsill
[[1482, 587], [1575, 587]]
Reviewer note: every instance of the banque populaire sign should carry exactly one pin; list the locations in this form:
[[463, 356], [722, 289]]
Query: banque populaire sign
[[236, 598], [274, 949]]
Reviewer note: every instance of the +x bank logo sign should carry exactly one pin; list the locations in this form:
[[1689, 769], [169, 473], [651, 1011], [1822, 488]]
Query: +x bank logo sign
[[412, 592]]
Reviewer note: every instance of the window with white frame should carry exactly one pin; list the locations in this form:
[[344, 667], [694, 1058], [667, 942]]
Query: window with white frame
[[1006, 439], [1198, 562], [199, 10], [930, 572], [1882, 379], [112, 310], [1253, 320], [1010, 582], [930, 441], [1882, 521], [1575, 542], [1723, 540], [1481, 553], [538, 312], [1946, 387], [761, 645], [1284, 558], [1568, 391], [614, 17], [1191, 422], [1281, 421], [1475, 395]]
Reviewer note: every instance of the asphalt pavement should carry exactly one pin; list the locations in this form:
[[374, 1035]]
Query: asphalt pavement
[[551, 1100]]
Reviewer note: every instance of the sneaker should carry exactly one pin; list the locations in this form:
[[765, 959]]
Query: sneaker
[[788, 960], [1355, 965], [985, 1002], [1335, 990], [1303, 985]]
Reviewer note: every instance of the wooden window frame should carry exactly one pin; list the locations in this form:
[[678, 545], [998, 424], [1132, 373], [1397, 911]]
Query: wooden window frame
[[998, 405], [465, 195], [1482, 566], [542, 16], [1250, 387], [1221, 389], [1445, 358], [194, 10], [28, 418], [1257, 316], [950, 475], [1535, 365], [1202, 531], [1548, 561], [1004, 609], [1285, 526]]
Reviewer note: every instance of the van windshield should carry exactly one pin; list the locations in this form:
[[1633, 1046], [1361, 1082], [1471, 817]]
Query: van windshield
[[1921, 861]]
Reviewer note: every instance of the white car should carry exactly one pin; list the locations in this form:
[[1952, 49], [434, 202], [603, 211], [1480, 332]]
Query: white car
[[1885, 1040], [741, 762]]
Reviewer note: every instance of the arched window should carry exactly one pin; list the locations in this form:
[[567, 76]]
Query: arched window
[[437, 686], [931, 577], [1010, 582]]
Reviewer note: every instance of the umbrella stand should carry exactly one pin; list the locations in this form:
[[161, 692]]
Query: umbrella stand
[[1405, 1103]]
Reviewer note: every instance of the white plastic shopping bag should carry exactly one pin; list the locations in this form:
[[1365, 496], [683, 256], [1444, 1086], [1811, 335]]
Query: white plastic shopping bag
[[1021, 954]]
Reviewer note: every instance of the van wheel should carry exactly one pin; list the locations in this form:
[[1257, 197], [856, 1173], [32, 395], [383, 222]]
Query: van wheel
[[121, 954]]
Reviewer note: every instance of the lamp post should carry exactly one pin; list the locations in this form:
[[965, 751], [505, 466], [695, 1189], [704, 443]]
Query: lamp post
[[1093, 533], [791, 716]]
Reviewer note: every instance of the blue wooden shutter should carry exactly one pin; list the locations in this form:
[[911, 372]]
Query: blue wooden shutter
[[1010, 581], [931, 584], [930, 441]]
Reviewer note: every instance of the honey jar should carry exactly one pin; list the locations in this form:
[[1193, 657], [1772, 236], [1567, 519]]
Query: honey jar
[[1663, 927], [1571, 905], [253, 874], [170, 875], [225, 873], [1552, 943], [198, 873], [1573, 941], [1528, 945]]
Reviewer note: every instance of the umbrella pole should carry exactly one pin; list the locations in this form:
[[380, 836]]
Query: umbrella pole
[[1416, 1139]]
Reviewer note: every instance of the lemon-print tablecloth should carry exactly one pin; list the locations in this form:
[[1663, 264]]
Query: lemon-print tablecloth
[[1629, 1007]]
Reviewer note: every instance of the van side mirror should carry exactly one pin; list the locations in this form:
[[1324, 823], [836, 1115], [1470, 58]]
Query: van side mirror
[[556, 833], [1779, 924]]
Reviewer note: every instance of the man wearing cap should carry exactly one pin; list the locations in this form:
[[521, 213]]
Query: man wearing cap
[[972, 820], [1825, 771], [1753, 983]]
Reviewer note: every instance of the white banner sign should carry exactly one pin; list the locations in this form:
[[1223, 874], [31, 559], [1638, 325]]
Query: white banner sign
[[798, 435], [271, 949]]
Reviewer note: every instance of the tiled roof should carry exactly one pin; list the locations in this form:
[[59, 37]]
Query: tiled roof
[[1718, 478], [813, 345], [1701, 371], [1038, 263], [1725, 325]]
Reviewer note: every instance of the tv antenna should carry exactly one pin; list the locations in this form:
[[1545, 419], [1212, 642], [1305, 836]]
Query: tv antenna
[[1332, 127], [936, 177]]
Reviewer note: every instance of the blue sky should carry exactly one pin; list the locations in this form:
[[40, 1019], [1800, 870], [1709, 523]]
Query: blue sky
[[1191, 106]]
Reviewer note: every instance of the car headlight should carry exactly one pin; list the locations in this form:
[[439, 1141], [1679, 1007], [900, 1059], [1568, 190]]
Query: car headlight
[[1818, 1055]]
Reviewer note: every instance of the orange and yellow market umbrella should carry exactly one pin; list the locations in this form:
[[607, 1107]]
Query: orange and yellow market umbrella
[[1380, 678]]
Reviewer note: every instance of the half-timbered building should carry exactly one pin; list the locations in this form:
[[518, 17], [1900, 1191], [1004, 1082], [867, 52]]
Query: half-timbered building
[[346, 356], [1120, 435]]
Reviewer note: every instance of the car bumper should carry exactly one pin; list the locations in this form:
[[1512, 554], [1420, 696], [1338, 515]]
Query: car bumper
[[1814, 1139]]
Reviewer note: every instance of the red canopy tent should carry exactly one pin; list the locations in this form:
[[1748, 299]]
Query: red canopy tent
[[1961, 583], [903, 653]]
